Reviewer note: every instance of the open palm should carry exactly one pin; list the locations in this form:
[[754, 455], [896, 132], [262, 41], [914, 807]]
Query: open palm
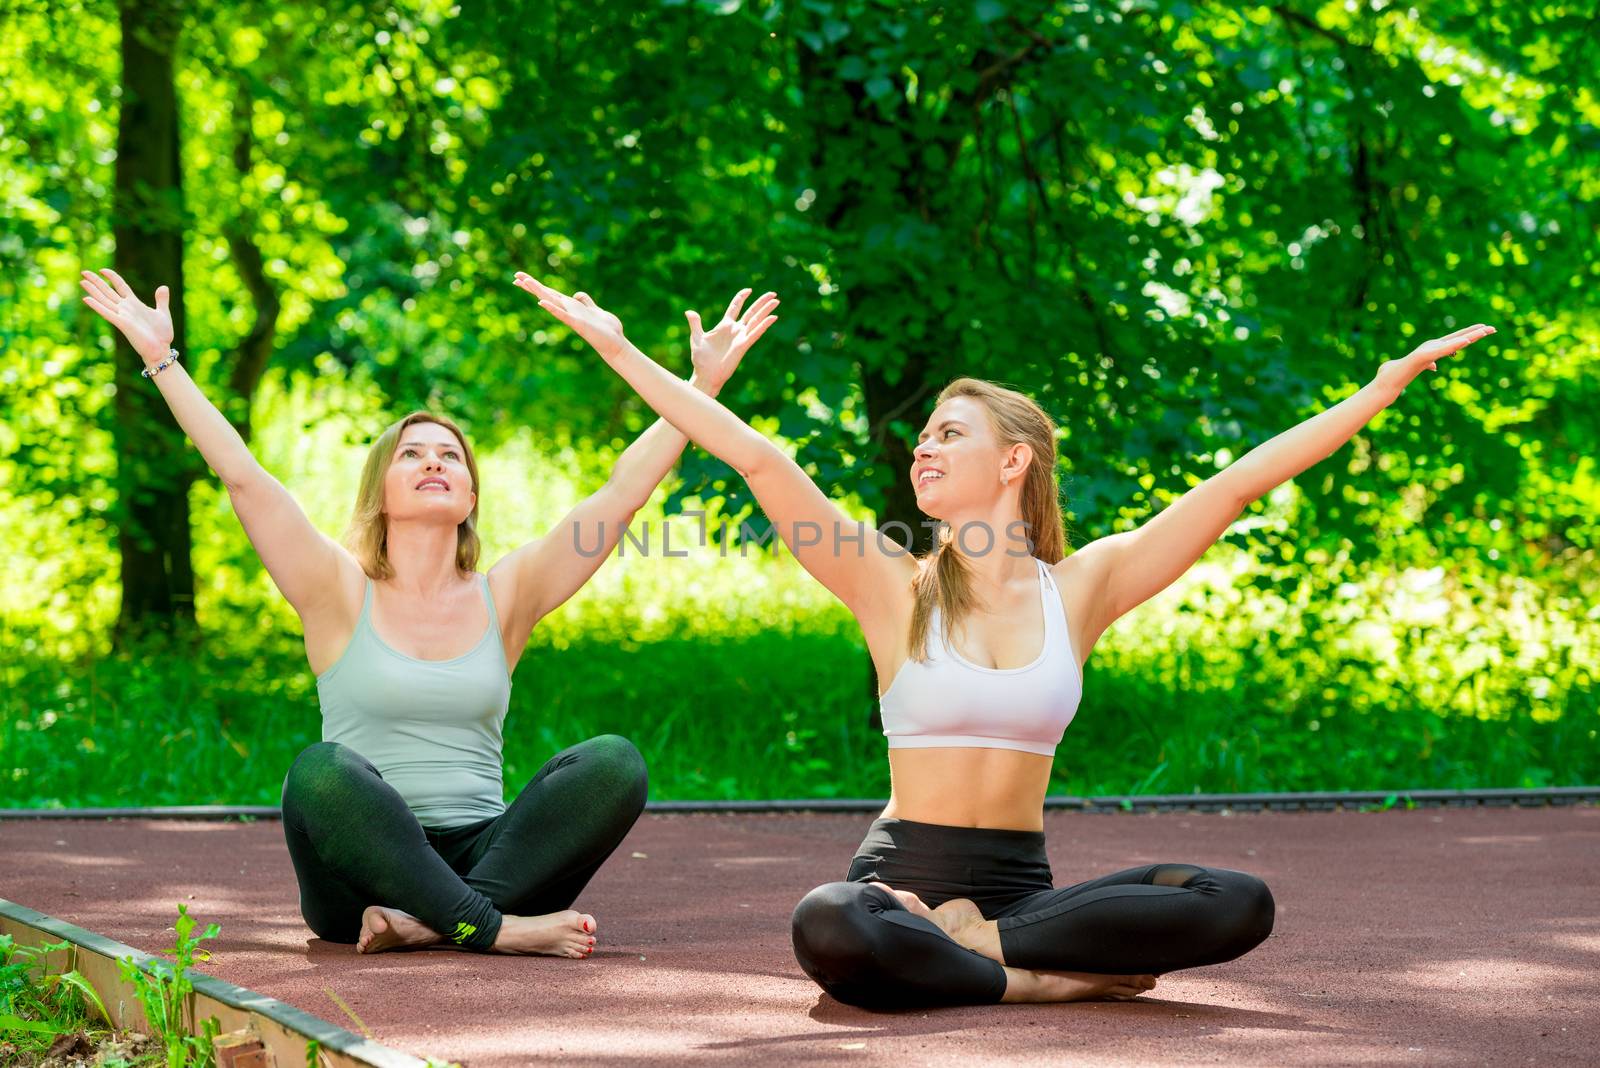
[[148, 330], [717, 352]]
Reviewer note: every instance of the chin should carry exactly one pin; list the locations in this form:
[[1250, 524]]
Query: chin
[[436, 514]]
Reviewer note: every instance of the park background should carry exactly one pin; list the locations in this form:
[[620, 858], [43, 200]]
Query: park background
[[1181, 227]]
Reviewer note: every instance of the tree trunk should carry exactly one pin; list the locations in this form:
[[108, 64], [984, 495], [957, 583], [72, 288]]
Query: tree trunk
[[255, 349], [868, 168], [154, 468]]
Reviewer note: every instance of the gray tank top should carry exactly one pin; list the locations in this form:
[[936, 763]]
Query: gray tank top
[[430, 727]]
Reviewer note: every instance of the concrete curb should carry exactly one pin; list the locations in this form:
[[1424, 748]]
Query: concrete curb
[[282, 1028], [1320, 801]]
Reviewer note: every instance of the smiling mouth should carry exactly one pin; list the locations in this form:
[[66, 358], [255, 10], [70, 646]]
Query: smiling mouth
[[929, 476], [433, 483]]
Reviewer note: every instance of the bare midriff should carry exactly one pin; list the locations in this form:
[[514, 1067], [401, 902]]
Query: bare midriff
[[966, 787]]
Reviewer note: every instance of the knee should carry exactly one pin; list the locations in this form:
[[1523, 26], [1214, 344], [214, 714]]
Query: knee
[[318, 773], [620, 762], [1251, 911], [835, 944], [828, 930]]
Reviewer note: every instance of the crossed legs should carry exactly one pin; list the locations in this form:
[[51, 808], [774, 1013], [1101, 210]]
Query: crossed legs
[[370, 874]]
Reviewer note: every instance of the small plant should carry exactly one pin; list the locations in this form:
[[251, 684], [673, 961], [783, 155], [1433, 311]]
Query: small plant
[[168, 997], [35, 1011]]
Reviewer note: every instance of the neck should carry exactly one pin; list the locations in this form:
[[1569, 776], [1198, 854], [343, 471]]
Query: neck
[[423, 557], [993, 545]]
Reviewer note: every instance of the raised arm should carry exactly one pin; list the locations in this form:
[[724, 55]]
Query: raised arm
[[545, 572], [861, 568], [1127, 569], [303, 562]]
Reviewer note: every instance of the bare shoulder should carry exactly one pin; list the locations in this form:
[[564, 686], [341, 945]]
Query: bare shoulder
[[884, 616], [1081, 581], [503, 589], [329, 623], [899, 575], [342, 602], [1081, 569]]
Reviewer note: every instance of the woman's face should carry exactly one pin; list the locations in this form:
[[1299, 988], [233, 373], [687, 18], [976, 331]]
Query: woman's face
[[957, 464], [428, 477]]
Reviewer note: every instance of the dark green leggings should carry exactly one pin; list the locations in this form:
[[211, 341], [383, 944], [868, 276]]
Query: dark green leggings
[[355, 843]]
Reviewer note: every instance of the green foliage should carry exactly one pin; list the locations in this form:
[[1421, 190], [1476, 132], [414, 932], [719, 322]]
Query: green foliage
[[35, 1009], [167, 995], [1181, 227]]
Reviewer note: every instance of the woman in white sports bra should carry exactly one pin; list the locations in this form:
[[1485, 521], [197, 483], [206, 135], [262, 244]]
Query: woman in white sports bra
[[950, 899]]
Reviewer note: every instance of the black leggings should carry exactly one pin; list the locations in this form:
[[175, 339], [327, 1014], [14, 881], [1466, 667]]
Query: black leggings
[[865, 948], [355, 843]]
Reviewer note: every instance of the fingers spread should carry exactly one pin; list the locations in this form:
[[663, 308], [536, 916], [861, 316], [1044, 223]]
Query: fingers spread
[[762, 306], [117, 282], [103, 311], [96, 286], [735, 304], [760, 328]]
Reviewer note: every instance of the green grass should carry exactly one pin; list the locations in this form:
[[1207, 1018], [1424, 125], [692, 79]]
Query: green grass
[[1179, 699]]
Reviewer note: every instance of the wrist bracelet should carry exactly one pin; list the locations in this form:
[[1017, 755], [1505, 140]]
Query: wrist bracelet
[[172, 358]]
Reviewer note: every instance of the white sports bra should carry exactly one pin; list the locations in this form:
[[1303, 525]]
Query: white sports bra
[[950, 701]]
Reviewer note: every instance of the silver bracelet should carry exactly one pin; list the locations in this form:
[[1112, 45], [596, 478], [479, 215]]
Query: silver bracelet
[[172, 358]]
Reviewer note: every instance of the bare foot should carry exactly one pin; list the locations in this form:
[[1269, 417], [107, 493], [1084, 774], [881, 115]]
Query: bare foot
[[914, 904], [559, 934], [1023, 985], [960, 919], [383, 928]]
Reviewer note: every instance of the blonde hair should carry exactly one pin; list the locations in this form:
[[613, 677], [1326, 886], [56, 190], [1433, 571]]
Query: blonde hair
[[942, 578], [368, 534]]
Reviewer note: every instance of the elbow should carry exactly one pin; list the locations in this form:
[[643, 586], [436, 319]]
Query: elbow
[[758, 458], [749, 469], [1235, 482], [248, 481], [624, 501], [237, 485]]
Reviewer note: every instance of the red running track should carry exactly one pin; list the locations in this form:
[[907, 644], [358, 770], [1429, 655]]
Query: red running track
[[1425, 937]]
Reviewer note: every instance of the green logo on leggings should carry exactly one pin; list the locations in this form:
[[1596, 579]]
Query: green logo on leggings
[[464, 931]]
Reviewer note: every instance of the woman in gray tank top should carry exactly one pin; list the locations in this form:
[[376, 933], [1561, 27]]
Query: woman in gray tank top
[[396, 821]]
